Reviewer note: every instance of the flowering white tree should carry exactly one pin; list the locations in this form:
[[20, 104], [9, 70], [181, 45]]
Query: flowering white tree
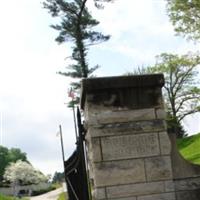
[[23, 173]]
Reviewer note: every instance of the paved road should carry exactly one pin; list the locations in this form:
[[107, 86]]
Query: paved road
[[53, 195]]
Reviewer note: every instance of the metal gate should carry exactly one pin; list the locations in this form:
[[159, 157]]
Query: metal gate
[[75, 167]]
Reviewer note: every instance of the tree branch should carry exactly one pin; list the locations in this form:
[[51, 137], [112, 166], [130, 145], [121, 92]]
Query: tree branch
[[181, 117], [184, 100], [183, 79]]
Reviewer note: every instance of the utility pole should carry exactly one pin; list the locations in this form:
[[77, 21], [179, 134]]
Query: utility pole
[[75, 125], [62, 146], [63, 154]]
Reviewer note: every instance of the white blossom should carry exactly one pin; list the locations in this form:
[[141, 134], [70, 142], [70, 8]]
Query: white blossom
[[23, 173]]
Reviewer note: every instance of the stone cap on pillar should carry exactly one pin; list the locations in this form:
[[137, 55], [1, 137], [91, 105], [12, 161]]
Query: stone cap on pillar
[[114, 84]]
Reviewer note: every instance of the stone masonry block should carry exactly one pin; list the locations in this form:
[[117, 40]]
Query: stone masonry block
[[135, 189], [187, 184], [158, 168], [163, 196], [146, 90], [188, 195], [165, 144], [125, 198], [96, 150], [99, 193], [127, 128], [110, 116], [119, 172], [169, 186], [160, 114], [130, 146]]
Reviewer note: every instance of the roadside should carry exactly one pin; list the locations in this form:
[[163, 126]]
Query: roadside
[[53, 195]]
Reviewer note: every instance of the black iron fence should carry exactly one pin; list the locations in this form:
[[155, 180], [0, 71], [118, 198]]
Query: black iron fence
[[75, 167]]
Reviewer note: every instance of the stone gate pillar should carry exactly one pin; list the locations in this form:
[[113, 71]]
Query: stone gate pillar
[[128, 146]]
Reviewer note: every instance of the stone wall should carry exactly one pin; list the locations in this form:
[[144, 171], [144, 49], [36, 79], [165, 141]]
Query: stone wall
[[185, 174], [129, 150]]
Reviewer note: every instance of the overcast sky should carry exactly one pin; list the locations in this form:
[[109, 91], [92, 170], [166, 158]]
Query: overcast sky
[[33, 96]]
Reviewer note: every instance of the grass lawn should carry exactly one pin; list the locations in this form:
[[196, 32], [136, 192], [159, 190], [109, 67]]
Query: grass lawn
[[62, 196], [2, 197], [189, 147]]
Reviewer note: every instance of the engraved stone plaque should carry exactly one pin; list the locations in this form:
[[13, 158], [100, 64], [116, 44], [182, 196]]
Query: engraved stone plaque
[[130, 146]]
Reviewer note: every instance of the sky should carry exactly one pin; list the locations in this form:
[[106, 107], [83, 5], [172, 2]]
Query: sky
[[33, 96]]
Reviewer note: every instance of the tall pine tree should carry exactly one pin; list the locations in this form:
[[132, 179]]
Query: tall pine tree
[[76, 26]]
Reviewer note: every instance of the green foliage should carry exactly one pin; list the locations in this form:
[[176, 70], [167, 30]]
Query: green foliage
[[76, 26], [189, 148], [3, 160], [175, 126], [15, 154], [58, 177], [9, 155], [185, 16], [181, 89]]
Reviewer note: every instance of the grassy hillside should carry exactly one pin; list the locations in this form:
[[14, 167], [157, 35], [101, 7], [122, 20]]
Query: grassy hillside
[[190, 148]]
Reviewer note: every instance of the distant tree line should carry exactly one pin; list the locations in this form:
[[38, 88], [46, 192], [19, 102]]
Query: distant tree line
[[58, 177]]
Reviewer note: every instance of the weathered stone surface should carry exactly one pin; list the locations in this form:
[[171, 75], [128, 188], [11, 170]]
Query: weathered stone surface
[[165, 144], [125, 88], [99, 193], [188, 195], [187, 184], [125, 198], [126, 98], [130, 146], [160, 113], [109, 116], [163, 196], [119, 172], [169, 186], [158, 168], [135, 189], [137, 127], [96, 150], [150, 97]]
